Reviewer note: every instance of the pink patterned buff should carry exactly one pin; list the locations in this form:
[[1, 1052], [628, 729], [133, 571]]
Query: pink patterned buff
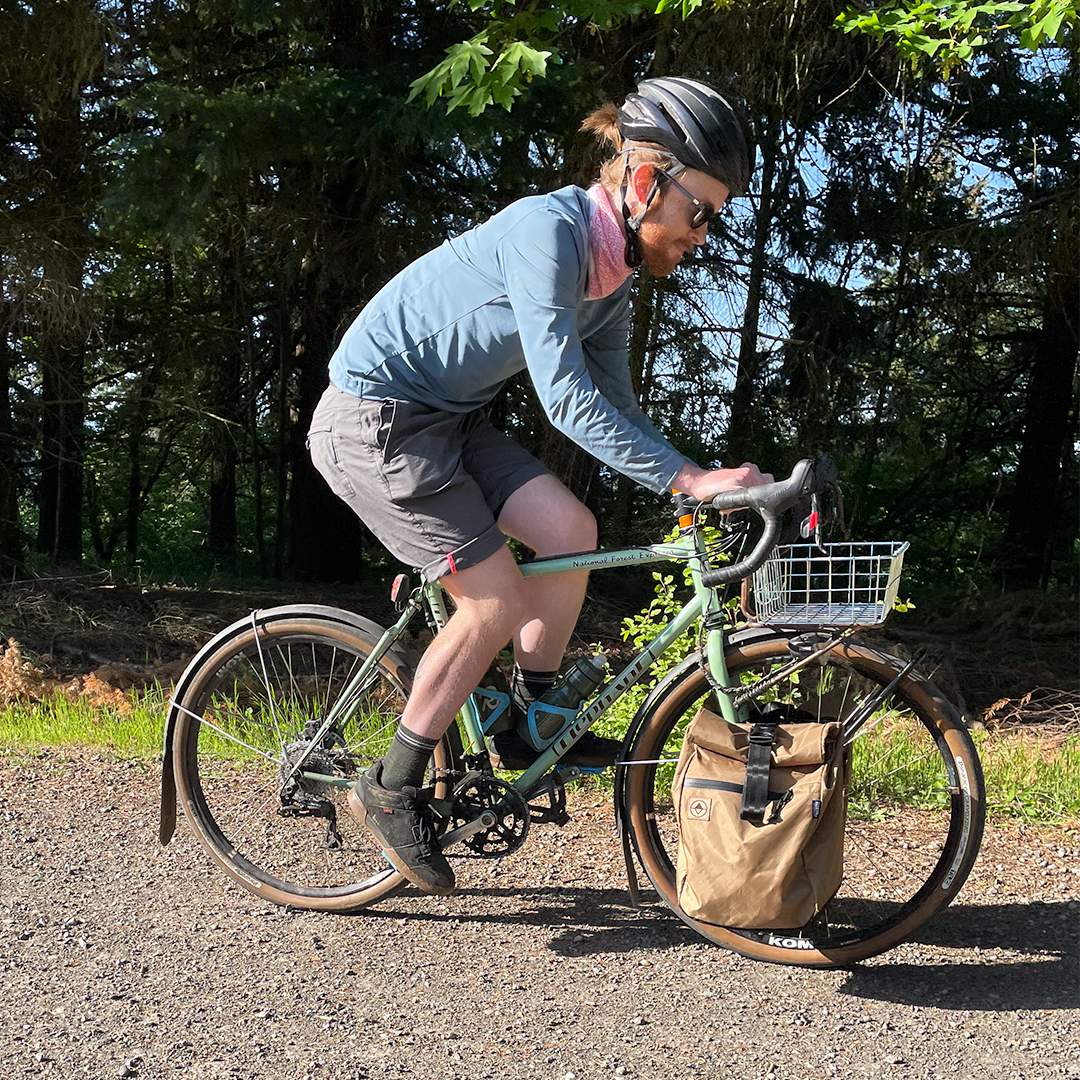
[[607, 246]]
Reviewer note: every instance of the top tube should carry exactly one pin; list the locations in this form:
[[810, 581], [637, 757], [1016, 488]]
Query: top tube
[[606, 558]]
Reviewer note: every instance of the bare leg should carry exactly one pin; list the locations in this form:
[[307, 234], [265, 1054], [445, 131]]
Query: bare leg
[[494, 603], [490, 603], [547, 518]]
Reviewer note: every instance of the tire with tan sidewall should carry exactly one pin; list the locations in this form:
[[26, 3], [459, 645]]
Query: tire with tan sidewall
[[642, 811], [246, 645]]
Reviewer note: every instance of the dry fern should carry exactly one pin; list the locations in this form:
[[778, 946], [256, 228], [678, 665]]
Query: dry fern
[[20, 681], [101, 694]]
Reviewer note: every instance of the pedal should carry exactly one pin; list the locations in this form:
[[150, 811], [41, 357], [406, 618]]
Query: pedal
[[551, 787]]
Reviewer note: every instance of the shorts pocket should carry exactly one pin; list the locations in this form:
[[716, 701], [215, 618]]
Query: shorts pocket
[[324, 456], [422, 454]]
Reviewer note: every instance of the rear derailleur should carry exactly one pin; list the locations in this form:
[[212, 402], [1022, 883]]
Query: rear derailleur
[[302, 794]]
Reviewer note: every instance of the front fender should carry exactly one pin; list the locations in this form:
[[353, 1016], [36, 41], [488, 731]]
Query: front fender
[[739, 637], [260, 617]]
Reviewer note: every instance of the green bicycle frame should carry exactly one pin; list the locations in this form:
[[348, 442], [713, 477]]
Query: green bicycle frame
[[688, 547]]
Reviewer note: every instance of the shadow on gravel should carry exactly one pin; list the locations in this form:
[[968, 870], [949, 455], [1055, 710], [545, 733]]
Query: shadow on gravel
[[1004, 987], [584, 922], [1049, 932]]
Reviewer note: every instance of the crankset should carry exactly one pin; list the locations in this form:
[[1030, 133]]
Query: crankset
[[490, 816]]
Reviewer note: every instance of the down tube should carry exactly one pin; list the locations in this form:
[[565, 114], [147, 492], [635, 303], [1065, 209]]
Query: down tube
[[610, 693], [682, 550]]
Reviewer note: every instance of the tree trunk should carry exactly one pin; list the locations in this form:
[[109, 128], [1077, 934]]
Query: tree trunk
[[227, 420], [137, 490], [324, 538], [62, 415], [10, 542], [63, 323], [1046, 427], [743, 437]]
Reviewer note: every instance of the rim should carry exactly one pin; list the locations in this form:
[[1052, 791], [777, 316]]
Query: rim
[[900, 863], [243, 739]]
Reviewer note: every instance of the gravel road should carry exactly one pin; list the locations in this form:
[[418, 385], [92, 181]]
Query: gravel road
[[123, 959]]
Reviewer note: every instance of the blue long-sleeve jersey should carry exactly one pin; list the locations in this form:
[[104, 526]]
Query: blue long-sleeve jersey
[[453, 326]]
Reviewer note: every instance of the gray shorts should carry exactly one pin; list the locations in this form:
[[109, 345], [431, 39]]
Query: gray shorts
[[428, 483]]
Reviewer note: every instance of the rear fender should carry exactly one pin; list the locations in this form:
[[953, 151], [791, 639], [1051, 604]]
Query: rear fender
[[260, 617]]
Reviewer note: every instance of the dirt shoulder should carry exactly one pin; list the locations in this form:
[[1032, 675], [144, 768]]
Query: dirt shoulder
[[1011, 660], [123, 959]]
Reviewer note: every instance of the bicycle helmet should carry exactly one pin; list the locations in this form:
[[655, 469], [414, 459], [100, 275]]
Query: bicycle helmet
[[700, 127]]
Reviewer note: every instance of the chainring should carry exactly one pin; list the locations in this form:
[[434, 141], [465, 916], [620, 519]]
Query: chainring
[[472, 797]]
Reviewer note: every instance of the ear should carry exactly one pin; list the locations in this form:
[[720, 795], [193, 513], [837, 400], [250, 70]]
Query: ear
[[642, 178]]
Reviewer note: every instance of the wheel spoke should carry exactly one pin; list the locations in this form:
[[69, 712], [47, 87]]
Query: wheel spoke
[[899, 835], [248, 772]]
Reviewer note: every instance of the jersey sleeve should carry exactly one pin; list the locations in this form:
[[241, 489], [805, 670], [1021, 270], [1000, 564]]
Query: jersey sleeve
[[585, 389]]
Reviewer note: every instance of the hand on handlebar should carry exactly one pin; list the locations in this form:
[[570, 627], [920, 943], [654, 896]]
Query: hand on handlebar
[[703, 484]]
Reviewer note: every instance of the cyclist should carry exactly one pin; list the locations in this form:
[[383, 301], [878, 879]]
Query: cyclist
[[400, 434]]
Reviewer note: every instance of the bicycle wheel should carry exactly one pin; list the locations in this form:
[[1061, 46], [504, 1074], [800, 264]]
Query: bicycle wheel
[[246, 713], [915, 805]]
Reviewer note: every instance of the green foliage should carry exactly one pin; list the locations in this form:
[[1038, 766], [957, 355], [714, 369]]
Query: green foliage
[[638, 630], [522, 38], [257, 175], [952, 33], [132, 728], [1028, 779], [466, 77]]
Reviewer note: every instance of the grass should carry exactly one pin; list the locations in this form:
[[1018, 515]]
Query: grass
[[128, 726], [1028, 777]]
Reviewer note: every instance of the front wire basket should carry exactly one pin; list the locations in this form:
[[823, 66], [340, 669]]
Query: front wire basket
[[830, 585]]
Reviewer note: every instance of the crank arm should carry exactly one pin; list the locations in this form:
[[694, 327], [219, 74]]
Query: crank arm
[[485, 821]]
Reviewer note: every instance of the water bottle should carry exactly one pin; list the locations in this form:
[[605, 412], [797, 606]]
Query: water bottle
[[586, 674]]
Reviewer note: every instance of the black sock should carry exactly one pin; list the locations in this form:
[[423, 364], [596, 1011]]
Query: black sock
[[405, 763], [529, 686]]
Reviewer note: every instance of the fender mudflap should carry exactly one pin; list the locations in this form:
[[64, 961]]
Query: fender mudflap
[[259, 617]]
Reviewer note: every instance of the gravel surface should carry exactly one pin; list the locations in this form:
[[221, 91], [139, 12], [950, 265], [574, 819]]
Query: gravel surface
[[123, 959]]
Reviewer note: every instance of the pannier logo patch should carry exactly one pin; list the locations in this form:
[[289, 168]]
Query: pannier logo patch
[[699, 809]]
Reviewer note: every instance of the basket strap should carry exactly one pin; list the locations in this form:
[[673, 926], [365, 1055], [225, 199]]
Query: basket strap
[[758, 758]]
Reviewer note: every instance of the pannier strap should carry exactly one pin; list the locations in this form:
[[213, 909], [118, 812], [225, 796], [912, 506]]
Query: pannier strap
[[756, 789]]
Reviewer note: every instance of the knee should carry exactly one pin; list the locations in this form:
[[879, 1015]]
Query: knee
[[510, 609], [572, 529], [496, 605]]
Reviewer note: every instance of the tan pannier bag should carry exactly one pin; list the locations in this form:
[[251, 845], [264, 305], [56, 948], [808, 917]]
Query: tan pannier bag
[[775, 872]]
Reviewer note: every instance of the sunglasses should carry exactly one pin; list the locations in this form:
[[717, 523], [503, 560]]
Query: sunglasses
[[703, 211]]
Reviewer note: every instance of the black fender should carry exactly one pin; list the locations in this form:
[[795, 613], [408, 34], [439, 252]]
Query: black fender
[[738, 637], [367, 629], [741, 637]]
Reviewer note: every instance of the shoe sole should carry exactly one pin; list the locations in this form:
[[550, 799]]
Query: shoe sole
[[359, 812]]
